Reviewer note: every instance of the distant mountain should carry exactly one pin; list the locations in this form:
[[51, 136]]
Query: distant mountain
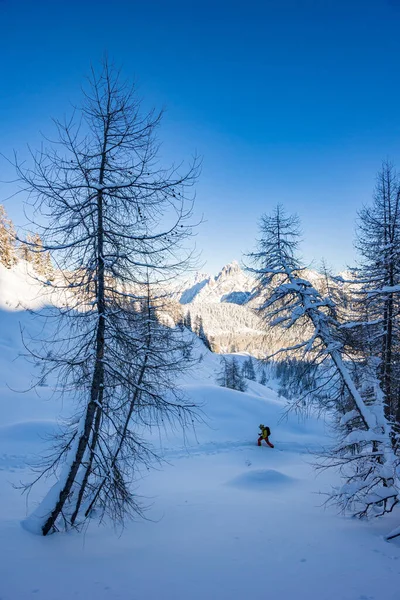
[[193, 287], [231, 285], [225, 304], [228, 306]]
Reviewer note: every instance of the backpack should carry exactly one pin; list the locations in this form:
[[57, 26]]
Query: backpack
[[266, 429]]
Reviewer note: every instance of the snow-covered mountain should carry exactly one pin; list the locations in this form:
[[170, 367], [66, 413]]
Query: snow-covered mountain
[[226, 305], [231, 284]]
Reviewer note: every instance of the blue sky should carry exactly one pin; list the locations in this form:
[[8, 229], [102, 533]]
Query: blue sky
[[287, 101]]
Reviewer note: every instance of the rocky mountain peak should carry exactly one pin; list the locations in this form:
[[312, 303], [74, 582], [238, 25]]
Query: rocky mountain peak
[[231, 284], [230, 270]]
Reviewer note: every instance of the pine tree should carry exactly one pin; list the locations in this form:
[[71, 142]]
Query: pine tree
[[376, 285], [41, 259], [263, 378], [202, 334], [237, 381], [188, 321], [248, 369], [24, 250], [197, 324], [8, 256], [180, 321], [223, 376], [230, 374], [33, 252]]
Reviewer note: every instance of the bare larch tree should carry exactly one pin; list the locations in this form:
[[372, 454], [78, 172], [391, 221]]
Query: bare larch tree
[[117, 225]]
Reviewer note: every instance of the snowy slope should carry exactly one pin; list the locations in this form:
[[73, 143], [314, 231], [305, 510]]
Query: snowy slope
[[192, 287], [20, 288], [227, 520]]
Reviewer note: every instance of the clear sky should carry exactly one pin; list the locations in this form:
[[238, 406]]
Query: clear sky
[[295, 102]]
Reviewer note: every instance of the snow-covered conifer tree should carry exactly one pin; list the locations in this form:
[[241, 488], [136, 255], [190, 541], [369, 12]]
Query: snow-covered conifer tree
[[223, 373], [24, 250], [8, 256], [363, 454], [376, 285], [31, 249]]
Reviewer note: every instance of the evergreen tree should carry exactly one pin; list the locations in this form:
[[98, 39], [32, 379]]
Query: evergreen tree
[[188, 321], [8, 256], [177, 314], [376, 286], [202, 334], [263, 378], [248, 369], [237, 381], [40, 258], [24, 250], [197, 324], [223, 373], [230, 374], [33, 252]]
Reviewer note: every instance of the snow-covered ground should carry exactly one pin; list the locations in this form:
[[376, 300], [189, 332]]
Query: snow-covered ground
[[226, 519]]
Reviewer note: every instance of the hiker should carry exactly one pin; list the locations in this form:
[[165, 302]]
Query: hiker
[[264, 435]]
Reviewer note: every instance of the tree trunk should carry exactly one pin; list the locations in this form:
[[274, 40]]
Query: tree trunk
[[93, 412]]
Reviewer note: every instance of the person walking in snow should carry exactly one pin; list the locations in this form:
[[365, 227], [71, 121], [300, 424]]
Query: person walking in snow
[[265, 432]]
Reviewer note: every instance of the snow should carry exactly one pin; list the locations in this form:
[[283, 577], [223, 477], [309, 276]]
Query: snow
[[358, 436], [28, 431], [20, 288], [226, 519], [265, 480], [349, 416], [189, 294]]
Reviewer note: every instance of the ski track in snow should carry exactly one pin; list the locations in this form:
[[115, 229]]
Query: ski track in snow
[[212, 448], [14, 462]]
